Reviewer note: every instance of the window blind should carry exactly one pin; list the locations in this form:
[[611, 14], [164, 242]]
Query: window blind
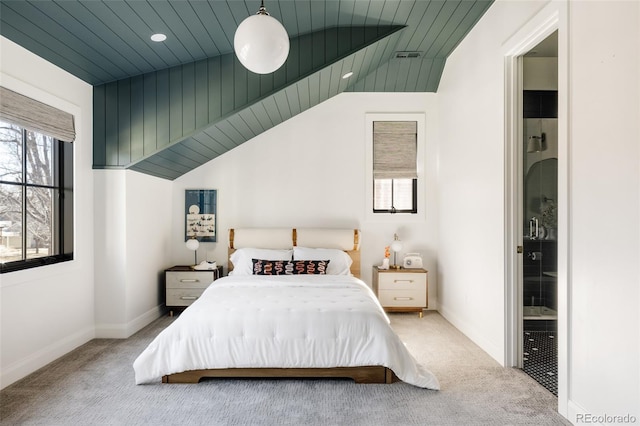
[[395, 149], [36, 116]]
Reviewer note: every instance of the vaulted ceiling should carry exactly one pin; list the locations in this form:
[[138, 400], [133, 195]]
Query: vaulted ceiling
[[166, 108]]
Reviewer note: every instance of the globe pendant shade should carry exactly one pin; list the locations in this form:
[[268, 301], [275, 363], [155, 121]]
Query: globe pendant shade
[[192, 244], [261, 44]]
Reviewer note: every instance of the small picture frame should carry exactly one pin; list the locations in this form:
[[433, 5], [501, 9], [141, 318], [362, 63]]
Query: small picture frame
[[200, 214]]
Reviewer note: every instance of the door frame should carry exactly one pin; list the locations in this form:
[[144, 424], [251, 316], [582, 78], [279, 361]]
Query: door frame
[[552, 17]]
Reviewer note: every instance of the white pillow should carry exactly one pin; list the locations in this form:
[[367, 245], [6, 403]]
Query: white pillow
[[241, 258], [339, 261]]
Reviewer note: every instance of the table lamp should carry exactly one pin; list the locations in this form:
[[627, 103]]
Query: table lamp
[[396, 246], [193, 244]]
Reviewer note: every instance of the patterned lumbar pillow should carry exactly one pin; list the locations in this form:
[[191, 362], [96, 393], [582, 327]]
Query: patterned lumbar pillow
[[289, 267], [312, 267]]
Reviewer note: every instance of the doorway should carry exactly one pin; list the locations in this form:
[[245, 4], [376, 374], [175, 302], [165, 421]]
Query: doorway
[[553, 18], [539, 197]]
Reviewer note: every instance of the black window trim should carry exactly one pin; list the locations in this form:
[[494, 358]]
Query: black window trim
[[393, 210], [61, 150]]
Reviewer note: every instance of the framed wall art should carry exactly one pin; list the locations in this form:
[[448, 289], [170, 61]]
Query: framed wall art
[[200, 214]]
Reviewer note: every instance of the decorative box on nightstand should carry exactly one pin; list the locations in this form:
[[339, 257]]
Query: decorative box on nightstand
[[183, 285], [401, 290]]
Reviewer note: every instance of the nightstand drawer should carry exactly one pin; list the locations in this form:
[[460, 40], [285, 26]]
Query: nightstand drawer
[[182, 297], [402, 281], [193, 279], [184, 285], [403, 298]]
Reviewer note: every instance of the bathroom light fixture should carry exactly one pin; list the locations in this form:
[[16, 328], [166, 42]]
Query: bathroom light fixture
[[261, 42], [536, 143], [158, 37], [193, 244], [396, 246], [347, 75]]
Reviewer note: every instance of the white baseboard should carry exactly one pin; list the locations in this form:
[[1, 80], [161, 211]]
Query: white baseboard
[[575, 410], [44, 356], [123, 331], [471, 332]]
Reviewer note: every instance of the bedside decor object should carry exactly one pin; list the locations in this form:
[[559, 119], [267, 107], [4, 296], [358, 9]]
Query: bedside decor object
[[205, 266], [396, 246], [200, 215], [412, 261], [385, 261], [193, 244]]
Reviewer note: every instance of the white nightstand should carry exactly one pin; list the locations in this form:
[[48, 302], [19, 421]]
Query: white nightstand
[[401, 290], [183, 285]]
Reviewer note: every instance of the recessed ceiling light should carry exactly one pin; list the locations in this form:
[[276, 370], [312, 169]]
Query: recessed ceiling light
[[347, 75], [158, 37]]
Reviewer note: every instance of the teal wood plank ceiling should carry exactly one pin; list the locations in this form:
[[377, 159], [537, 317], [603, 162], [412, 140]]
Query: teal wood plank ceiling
[[166, 108], [168, 122]]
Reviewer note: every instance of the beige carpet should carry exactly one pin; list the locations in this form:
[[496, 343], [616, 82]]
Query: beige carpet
[[94, 385]]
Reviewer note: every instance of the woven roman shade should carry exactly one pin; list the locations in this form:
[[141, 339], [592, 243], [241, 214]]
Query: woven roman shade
[[36, 116], [395, 148]]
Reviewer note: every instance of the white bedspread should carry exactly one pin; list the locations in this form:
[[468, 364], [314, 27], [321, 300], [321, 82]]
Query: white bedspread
[[308, 321]]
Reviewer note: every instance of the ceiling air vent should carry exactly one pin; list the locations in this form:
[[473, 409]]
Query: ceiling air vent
[[408, 55]]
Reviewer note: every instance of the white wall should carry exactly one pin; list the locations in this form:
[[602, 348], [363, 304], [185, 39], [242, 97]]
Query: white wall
[[471, 178], [310, 172], [46, 312], [605, 211], [604, 191], [133, 221]]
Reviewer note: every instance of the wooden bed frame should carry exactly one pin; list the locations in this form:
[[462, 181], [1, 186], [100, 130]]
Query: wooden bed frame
[[309, 238], [367, 375]]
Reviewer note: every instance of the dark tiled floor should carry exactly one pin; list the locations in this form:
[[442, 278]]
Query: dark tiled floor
[[540, 358]]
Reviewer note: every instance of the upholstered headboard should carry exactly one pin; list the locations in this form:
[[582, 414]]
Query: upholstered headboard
[[285, 238]]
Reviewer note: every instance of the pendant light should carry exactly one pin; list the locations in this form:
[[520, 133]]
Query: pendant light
[[261, 43]]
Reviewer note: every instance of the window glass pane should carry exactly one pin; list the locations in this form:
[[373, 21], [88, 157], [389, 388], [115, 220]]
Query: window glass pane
[[10, 223], [382, 194], [40, 163], [393, 193], [39, 222], [10, 152], [403, 194]]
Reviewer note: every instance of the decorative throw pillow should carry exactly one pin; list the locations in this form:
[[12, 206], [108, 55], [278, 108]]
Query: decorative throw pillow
[[310, 267], [272, 267], [340, 261], [289, 267], [241, 258]]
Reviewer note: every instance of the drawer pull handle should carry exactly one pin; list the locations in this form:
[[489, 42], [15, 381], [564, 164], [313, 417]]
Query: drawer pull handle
[[403, 298], [403, 281], [188, 297], [190, 280]]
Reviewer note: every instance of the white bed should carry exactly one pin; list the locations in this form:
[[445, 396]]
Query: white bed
[[247, 325]]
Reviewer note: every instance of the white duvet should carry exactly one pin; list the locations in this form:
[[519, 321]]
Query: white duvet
[[302, 321]]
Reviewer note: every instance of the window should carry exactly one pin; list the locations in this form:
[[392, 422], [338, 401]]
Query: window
[[395, 179], [36, 193], [395, 195]]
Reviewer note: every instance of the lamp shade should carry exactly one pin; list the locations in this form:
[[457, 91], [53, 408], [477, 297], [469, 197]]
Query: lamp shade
[[192, 244], [261, 43], [534, 144]]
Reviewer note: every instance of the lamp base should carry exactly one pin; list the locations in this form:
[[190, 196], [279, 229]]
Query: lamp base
[[395, 266]]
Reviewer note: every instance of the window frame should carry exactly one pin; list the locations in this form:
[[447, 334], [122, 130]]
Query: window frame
[[393, 210], [420, 182], [62, 221]]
